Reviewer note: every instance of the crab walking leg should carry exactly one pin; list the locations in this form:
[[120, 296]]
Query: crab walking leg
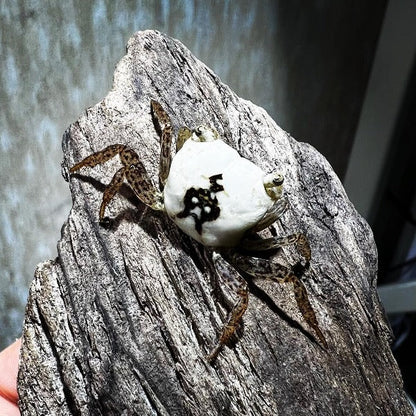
[[305, 306], [99, 157], [133, 170], [299, 239], [162, 122], [143, 188], [265, 269], [139, 181], [111, 189], [184, 134], [239, 286], [272, 215]]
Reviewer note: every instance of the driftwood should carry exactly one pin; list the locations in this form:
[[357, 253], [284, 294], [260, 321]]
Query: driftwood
[[121, 321]]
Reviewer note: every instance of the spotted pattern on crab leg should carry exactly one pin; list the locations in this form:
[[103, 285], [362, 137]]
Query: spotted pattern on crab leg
[[139, 181], [305, 306], [303, 247], [272, 215], [99, 157], [239, 286], [140, 184], [133, 170], [111, 190], [184, 134], [299, 239], [164, 127], [266, 269]]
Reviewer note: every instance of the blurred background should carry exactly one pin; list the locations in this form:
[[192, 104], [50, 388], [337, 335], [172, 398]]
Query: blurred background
[[339, 75]]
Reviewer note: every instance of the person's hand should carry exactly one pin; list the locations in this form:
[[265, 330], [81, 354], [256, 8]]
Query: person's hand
[[9, 360]]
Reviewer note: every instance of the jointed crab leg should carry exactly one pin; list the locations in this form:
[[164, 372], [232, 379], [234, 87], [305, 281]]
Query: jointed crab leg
[[111, 189], [299, 239], [236, 283], [133, 170], [305, 306], [164, 127], [139, 181], [272, 215], [99, 157], [184, 134], [265, 269]]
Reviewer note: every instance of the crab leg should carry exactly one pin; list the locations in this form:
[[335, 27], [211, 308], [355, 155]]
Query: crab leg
[[133, 170], [99, 157], [184, 134], [305, 307], [111, 189], [163, 126], [236, 283], [139, 181], [272, 215], [264, 269], [299, 239]]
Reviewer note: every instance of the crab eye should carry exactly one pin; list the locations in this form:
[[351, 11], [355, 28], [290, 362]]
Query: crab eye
[[278, 180], [198, 131]]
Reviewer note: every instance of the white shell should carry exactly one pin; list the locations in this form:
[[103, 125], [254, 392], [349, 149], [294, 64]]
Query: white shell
[[242, 203]]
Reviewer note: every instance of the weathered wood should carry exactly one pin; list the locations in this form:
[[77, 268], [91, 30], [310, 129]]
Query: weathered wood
[[121, 321]]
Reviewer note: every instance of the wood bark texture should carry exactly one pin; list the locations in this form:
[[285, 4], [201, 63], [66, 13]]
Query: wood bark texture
[[121, 321]]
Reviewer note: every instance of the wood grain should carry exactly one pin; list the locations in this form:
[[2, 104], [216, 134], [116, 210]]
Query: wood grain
[[121, 321]]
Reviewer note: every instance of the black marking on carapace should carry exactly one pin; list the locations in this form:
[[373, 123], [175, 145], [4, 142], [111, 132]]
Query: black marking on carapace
[[205, 200], [215, 187]]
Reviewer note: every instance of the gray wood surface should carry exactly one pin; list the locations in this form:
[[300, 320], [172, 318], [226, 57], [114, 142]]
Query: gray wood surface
[[121, 321]]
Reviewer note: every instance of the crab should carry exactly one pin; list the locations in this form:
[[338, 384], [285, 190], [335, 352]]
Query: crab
[[221, 200]]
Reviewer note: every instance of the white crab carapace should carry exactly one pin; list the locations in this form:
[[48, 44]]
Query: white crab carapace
[[211, 175]]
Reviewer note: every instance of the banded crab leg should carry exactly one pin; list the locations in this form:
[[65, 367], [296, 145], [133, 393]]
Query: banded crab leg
[[279, 207], [260, 268], [163, 126], [239, 286], [298, 239], [133, 169]]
